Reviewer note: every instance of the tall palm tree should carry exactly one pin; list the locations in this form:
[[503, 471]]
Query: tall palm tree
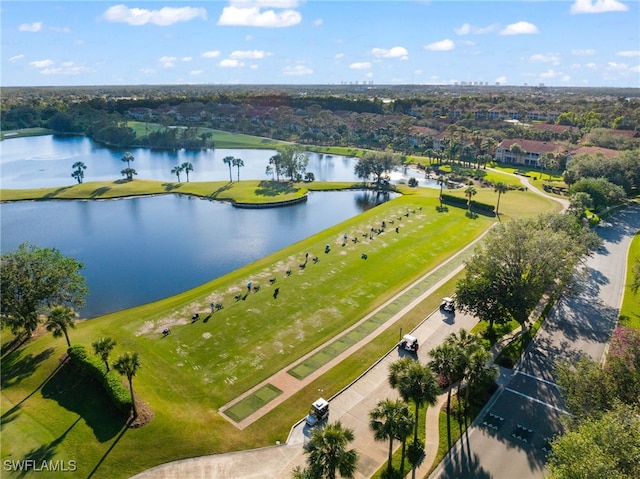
[[479, 368], [127, 158], [328, 454], [176, 170], [469, 191], [445, 362], [415, 382], [467, 344], [500, 188], [406, 423], [237, 162], [102, 347], [78, 171], [442, 180], [127, 365], [59, 320], [228, 160], [517, 150], [383, 421], [187, 167]]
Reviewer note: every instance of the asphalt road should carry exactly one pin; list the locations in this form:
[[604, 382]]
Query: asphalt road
[[510, 439]]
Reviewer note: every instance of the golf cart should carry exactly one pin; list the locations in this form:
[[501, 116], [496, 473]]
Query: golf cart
[[448, 305], [409, 343], [318, 413]]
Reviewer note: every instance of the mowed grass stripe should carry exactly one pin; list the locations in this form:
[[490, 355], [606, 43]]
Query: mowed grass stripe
[[245, 408]]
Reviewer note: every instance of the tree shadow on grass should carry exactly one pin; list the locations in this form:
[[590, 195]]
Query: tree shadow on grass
[[275, 188], [41, 456], [220, 190], [100, 191], [16, 366], [55, 193], [76, 392], [171, 186]]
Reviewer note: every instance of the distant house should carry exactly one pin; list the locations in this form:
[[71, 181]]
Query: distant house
[[556, 129], [594, 150], [421, 134], [532, 151]]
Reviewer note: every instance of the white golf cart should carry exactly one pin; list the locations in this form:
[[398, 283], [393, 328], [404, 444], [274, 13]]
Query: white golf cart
[[318, 413], [409, 343]]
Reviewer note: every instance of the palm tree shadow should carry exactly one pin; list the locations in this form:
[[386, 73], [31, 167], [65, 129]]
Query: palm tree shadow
[[45, 452], [124, 429], [171, 186]]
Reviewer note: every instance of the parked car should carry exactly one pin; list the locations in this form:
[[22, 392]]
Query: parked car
[[409, 343], [448, 305], [318, 413]]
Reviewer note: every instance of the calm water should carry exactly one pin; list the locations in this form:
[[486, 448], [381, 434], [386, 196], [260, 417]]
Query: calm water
[[44, 161], [143, 249]]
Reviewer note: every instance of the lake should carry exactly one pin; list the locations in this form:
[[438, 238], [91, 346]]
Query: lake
[[140, 250]]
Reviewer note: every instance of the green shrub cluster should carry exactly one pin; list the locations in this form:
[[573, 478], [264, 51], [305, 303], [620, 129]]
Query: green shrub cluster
[[476, 205], [119, 396]]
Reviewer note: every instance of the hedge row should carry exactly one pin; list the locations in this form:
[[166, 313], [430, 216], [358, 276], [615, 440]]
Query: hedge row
[[475, 205], [120, 397]]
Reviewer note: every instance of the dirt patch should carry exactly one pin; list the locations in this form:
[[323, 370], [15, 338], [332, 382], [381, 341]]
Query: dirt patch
[[145, 414]]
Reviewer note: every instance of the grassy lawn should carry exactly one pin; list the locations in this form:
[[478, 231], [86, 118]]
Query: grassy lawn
[[222, 139], [188, 375], [630, 310], [7, 134]]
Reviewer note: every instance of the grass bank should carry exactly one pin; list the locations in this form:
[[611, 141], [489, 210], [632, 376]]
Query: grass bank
[[630, 310]]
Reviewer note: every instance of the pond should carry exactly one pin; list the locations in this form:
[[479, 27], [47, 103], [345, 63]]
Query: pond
[[140, 250]]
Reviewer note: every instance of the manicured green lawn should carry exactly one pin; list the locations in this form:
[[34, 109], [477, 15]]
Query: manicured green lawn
[[630, 310], [188, 375], [8, 134]]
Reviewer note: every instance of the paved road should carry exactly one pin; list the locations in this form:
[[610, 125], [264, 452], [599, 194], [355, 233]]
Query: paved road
[[509, 441]]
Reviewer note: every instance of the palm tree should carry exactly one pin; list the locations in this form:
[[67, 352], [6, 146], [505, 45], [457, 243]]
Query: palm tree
[[500, 188], [383, 421], [176, 170], [187, 167], [328, 454], [445, 362], [59, 320], [128, 173], [128, 364], [517, 150], [78, 171], [127, 158], [237, 162], [276, 160], [469, 191], [442, 180], [228, 160], [102, 347], [479, 368], [406, 424], [414, 382]]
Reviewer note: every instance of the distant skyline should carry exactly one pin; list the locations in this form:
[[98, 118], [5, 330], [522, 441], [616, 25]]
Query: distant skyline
[[584, 43]]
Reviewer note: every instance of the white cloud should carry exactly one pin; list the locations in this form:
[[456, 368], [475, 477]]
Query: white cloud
[[186, 59], [395, 52], [584, 53], [41, 63], [167, 61], [265, 3], [553, 58], [16, 58], [441, 46], [502, 80], [230, 63], [254, 17], [360, 65], [210, 54], [597, 6], [520, 28], [549, 74], [30, 27], [252, 54], [60, 29], [163, 17], [566, 79], [338, 56], [196, 72], [467, 28], [297, 70], [591, 66], [628, 53], [318, 22]]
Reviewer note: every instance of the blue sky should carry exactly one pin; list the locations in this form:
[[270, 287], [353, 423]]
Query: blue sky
[[513, 42]]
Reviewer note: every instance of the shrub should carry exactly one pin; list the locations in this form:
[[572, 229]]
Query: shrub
[[110, 381], [462, 202]]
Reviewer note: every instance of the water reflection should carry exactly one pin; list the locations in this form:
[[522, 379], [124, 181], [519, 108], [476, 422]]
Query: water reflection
[[143, 249]]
